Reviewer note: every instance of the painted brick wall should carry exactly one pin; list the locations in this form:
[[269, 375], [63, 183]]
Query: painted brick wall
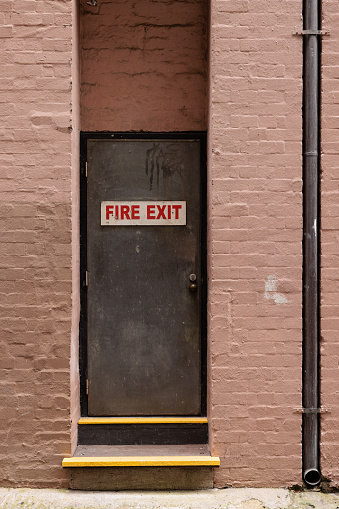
[[144, 65], [255, 215], [330, 245], [255, 235], [35, 243], [75, 194]]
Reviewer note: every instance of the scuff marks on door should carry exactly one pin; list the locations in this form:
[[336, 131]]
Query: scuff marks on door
[[168, 161]]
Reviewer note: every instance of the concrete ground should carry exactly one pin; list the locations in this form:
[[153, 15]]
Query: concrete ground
[[232, 498]]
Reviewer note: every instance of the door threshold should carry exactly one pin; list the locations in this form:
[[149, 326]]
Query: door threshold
[[142, 467]]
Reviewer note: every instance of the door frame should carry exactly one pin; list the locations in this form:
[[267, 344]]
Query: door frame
[[186, 135]]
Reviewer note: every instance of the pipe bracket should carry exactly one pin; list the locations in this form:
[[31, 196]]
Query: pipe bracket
[[311, 32], [321, 410]]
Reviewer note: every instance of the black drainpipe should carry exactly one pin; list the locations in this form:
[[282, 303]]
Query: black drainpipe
[[310, 393]]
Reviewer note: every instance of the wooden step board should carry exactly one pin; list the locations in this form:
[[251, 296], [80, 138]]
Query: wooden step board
[[163, 467], [142, 461], [142, 420]]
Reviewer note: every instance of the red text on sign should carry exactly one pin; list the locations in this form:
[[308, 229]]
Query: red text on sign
[[123, 211], [143, 213], [160, 213]]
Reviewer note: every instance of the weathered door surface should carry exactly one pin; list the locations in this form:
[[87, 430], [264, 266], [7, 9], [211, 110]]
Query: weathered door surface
[[144, 344]]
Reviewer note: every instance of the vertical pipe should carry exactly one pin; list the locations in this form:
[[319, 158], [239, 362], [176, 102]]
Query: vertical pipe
[[311, 424]]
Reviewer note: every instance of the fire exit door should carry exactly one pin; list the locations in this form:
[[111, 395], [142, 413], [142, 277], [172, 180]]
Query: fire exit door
[[144, 276]]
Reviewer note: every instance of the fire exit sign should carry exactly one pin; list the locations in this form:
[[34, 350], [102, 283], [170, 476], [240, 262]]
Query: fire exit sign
[[143, 213]]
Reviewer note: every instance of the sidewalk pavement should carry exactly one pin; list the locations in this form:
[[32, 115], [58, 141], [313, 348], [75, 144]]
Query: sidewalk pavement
[[231, 498]]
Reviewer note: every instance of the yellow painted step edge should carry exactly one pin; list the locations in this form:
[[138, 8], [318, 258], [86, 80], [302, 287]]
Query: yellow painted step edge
[[142, 420], [142, 461]]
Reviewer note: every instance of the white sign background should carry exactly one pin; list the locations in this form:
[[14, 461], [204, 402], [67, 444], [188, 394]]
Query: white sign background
[[143, 213]]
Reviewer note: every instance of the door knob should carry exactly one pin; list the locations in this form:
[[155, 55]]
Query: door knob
[[193, 286]]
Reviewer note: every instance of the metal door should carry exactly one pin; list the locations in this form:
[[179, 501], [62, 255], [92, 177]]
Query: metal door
[[143, 311]]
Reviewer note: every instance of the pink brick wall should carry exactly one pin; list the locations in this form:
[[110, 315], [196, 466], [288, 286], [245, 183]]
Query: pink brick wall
[[35, 244], [330, 245], [144, 65], [254, 247], [75, 193]]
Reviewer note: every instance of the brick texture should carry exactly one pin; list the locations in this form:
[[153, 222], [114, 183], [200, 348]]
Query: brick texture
[[144, 65], [254, 245], [330, 246], [75, 162], [35, 243]]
